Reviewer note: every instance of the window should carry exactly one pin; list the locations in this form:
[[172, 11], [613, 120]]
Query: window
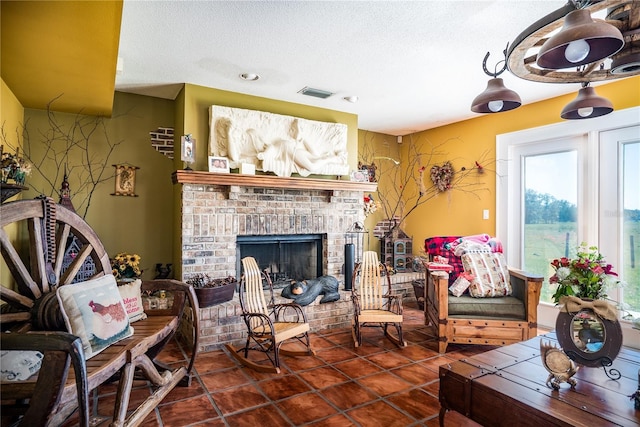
[[620, 208], [567, 183]]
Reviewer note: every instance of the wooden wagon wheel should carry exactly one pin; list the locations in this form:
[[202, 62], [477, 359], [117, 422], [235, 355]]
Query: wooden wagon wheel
[[36, 260], [522, 54]]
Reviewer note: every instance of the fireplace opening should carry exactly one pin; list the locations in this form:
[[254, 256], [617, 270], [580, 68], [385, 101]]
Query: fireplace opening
[[283, 257]]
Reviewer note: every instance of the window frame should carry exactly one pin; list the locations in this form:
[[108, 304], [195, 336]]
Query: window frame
[[509, 203]]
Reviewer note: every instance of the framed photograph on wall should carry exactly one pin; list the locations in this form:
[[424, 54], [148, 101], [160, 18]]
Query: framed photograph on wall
[[218, 164], [125, 180], [188, 149]]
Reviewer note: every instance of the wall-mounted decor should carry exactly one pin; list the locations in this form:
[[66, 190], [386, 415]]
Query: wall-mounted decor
[[280, 144], [218, 164], [125, 180], [188, 149]]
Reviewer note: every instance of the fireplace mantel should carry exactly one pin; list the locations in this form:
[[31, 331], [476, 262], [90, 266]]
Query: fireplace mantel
[[269, 181]]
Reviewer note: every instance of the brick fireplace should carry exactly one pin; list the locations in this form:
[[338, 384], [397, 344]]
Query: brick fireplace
[[217, 208]]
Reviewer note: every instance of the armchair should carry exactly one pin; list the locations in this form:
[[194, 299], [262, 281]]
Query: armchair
[[493, 321]]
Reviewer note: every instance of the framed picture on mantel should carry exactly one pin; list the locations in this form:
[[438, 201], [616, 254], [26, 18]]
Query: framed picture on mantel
[[188, 149], [218, 164]]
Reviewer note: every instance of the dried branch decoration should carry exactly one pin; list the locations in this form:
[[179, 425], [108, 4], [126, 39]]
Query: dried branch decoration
[[403, 187], [80, 148]]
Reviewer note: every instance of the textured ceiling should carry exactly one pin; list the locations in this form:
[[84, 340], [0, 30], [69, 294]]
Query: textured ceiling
[[414, 65]]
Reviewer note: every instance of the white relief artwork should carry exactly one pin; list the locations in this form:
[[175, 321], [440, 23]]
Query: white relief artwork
[[276, 143]]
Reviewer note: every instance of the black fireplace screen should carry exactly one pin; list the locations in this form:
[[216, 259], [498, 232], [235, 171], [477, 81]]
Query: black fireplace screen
[[283, 257]]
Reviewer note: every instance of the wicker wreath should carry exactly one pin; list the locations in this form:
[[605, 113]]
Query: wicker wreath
[[442, 176]]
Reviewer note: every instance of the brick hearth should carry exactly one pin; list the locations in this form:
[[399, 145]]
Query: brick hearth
[[213, 215]]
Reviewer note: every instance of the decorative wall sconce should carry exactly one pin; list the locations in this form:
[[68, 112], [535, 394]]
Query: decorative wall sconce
[[586, 105], [496, 97]]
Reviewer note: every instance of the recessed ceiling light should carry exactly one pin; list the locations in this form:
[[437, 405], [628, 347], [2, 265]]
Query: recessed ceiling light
[[250, 77], [352, 99]]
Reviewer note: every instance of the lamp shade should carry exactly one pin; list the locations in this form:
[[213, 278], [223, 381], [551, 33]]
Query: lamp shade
[[626, 62], [580, 41], [495, 98], [587, 105]]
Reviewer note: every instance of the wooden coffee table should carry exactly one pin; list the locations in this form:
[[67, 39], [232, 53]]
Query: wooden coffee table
[[506, 387]]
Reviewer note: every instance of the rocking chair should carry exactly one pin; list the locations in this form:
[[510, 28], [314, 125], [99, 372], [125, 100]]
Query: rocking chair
[[268, 325], [372, 306]]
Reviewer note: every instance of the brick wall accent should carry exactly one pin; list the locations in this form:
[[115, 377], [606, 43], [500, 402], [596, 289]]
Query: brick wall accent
[[162, 141]]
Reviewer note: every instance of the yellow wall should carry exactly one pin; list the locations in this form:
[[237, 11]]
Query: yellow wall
[[11, 119], [460, 213], [142, 224]]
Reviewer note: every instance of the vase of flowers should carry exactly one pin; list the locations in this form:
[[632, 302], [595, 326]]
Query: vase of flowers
[[126, 266], [13, 167], [587, 276]]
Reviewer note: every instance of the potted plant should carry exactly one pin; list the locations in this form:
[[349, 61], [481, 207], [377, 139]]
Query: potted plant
[[212, 291]]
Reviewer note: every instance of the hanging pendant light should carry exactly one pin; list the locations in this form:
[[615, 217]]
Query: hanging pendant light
[[580, 41], [496, 97], [587, 105]]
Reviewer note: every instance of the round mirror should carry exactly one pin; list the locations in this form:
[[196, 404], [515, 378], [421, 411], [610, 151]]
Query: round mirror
[[587, 338]]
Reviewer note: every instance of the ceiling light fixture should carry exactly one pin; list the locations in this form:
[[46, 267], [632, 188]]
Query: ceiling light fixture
[[250, 77], [496, 97], [586, 105], [581, 41], [352, 99], [621, 20], [577, 53]]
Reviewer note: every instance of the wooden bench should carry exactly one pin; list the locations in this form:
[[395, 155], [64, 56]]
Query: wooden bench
[[65, 378]]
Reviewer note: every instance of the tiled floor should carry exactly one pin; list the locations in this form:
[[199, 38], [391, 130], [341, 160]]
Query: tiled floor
[[376, 384]]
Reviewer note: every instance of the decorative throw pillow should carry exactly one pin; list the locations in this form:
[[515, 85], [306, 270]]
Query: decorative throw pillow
[[132, 299], [18, 365], [93, 310], [461, 284], [491, 276]]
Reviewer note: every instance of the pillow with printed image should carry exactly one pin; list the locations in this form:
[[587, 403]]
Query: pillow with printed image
[[491, 275], [94, 311], [132, 299]]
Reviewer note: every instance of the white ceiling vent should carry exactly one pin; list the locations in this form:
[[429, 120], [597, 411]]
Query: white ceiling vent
[[318, 93]]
